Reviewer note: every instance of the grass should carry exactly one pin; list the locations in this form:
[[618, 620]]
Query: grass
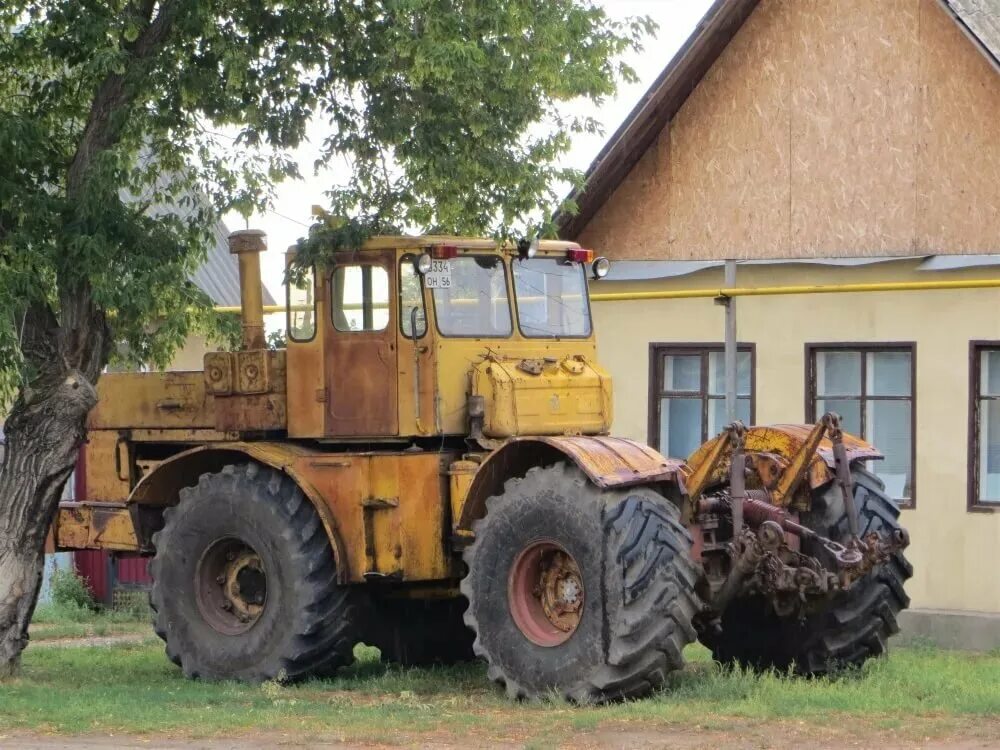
[[58, 621], [132, 688]]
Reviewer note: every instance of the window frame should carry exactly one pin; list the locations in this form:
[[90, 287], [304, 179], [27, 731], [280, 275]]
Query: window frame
[[411, 258], [360, 263], [586, 301], [315, 310], [863, 348], [976, 347], [659, 350], [508, 289]]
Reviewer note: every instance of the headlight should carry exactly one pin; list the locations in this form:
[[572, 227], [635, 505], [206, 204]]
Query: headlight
[[423, 263], [601, 268]]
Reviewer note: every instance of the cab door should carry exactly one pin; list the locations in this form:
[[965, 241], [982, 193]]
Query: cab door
[[361, 356]]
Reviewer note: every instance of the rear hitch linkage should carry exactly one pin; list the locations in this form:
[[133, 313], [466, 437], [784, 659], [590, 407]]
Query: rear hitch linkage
[[764, 553]]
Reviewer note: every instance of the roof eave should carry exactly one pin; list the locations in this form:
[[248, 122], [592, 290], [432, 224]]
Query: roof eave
[[655, 109]]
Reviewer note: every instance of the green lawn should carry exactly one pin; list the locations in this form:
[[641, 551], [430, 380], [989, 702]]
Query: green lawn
[[59, 621], [132, 688]]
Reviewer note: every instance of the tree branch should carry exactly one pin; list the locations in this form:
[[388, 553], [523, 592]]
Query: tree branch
[[102, 131]]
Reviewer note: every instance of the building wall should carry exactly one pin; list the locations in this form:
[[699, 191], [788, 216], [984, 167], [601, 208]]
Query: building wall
[[826, 128], [952, 549], [192, 354]]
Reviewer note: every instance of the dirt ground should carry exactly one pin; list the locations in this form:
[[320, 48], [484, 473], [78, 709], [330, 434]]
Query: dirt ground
[[777, 735]]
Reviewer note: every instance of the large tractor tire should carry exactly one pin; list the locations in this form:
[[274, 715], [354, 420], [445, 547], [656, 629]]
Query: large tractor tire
[[577, 592], [244, 582], [421, 632], [855, 626]]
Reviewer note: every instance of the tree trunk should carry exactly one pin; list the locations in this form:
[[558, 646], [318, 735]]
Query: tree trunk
[[44, 432]]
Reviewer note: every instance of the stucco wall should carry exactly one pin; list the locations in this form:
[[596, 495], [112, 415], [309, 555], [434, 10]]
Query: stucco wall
[[953, 550], [191, 355], [826, 128]]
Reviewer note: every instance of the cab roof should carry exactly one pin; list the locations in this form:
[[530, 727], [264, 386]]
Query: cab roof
[[407, 242]]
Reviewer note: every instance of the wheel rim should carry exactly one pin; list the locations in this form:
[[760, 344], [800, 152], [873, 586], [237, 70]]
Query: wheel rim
[[545, 593], [230, 586]]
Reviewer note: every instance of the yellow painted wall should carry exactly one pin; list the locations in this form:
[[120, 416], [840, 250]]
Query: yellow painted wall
[[825, 128], [191, 356], [953, 551]]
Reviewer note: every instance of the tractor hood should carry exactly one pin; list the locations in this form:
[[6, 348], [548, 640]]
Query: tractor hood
[[570, 395]]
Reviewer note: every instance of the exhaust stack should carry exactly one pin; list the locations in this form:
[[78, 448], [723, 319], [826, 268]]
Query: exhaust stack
[[248, 244]]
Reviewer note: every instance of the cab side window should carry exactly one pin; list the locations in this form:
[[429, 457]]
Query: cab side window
[[301, 307], [360, 298], [411, 298]]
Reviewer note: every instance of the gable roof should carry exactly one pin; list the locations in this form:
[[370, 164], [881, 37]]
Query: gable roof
[[978, 19]]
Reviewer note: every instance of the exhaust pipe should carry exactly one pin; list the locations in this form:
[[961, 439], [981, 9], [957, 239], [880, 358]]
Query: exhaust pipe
[[248, 244]]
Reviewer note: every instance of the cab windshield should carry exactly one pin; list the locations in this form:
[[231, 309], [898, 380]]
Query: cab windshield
[[551, 296], [473, 300]]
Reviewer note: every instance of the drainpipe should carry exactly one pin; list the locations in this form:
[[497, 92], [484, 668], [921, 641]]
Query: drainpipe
[[248, 244], [730, 354]]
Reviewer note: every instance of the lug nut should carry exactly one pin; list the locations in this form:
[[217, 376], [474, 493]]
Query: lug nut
[[228, 606], [220, 580]]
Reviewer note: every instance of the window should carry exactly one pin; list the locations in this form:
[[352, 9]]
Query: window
[[301, 304], [476, 303], [411, 298], [984, 450], [360, 298], [688, 394], [871, 387], [551, 297]]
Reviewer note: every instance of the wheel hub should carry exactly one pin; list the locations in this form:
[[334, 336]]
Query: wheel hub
[[545, 593], [231, 586]]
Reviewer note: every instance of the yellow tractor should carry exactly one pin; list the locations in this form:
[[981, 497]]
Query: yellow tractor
[[426, 467]]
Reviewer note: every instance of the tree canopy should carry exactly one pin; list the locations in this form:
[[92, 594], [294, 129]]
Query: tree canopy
[[128, 127]]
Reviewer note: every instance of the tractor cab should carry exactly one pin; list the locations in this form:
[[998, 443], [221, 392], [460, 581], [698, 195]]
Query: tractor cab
[[418, 337]]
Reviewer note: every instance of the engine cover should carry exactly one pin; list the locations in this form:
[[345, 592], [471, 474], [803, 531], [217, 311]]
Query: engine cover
[[569, 396]]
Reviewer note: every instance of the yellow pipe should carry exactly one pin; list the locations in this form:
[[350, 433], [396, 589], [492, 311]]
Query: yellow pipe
[[763, 291]]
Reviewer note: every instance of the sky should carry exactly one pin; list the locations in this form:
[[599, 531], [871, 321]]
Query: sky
[[291, 214]]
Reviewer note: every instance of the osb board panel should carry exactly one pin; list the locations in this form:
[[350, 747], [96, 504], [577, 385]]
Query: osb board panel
[[731, 183], [852, 127], [958, 193], [630, 225], [826, 128]]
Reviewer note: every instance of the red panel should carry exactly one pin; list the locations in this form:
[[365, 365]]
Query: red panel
[[134, 570], [93, 566]]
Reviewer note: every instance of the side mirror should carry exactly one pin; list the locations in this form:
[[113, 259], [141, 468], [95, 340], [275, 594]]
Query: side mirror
[[414, 312]]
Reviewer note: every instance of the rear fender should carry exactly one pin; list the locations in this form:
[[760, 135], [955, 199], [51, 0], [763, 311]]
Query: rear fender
[[771, 448], [162, 486], [608, 463]]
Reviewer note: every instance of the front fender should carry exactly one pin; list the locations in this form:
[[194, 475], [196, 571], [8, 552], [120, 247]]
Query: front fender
[[608, 462], [162, 486]]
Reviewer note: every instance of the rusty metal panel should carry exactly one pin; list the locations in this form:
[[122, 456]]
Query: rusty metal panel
[[615, 462], [389, 511], [552, 396], [771, 447], [105, 467], [306, 385], [219, 377], [423, 510], [380, 512], [152, 399], [361, 367], [796, 434], [240, 413], [95, 526]]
